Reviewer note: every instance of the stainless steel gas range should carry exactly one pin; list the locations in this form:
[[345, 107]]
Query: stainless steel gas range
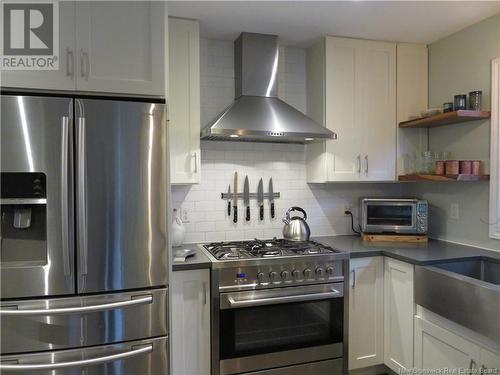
[[278, 307]]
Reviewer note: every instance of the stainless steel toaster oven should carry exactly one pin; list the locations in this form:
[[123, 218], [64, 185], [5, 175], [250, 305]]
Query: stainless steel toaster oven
[[404, 216]]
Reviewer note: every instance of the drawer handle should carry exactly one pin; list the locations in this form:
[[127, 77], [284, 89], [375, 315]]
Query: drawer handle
[[80, 363], [80, 309]]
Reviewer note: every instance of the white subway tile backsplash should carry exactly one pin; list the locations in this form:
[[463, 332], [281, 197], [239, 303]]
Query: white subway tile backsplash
[[285, 163]]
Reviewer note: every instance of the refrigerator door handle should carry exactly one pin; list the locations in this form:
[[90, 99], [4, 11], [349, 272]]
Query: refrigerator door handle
[[64, 195], [11, 310], [135, 351], [82, 197]]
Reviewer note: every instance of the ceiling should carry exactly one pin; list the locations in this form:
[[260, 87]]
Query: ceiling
[[299, 23]]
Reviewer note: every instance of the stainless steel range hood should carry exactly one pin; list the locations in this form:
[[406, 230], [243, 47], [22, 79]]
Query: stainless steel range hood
[[257, 114]]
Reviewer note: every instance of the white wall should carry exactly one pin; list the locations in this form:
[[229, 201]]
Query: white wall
[[458, 64], [325, 204]]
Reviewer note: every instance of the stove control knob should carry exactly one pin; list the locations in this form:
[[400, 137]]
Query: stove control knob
[[260, 277], [307, 273], [285, 275], [273, 275], [319, 271], [296, 274], [329, 271]]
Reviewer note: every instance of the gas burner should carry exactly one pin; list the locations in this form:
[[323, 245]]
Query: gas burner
[[273, 248]]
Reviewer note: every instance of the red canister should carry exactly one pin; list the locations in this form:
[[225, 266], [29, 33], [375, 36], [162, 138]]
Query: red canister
[[465, 167], [476, 167], [439, 168], [451, 166]]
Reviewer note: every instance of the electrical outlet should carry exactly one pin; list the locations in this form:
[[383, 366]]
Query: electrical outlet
[[185, 215], [347, 207], [454, 211]]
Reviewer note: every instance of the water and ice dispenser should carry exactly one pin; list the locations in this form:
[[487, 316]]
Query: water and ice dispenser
[[24, 219]]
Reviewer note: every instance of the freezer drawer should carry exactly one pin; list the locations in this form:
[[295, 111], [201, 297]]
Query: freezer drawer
[[144, 357], [62, 323]]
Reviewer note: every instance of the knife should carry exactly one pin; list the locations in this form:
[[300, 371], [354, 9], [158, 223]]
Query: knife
[[246, 198], [271, 197], [235, 197], [260, 199], [229, 200]]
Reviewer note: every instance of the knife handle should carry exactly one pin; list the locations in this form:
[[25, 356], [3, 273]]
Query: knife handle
[[261, 212], [235, 217], [272, 210], [229, 208], [248, 213]]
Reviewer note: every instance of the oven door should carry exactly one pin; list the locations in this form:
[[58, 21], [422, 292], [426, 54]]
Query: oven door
[[385, 216], [272, 328]]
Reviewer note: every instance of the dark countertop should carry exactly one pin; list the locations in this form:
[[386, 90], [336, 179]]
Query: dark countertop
[[434, 251], [198, 261]]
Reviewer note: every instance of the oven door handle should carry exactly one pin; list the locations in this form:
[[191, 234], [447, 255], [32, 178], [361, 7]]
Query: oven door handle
[[234, 304]]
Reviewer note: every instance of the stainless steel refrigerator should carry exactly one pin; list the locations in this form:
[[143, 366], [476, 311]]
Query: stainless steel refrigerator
[[83, 236]]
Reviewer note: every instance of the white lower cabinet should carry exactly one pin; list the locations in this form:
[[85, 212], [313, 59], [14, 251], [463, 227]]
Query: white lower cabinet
[[366, 308], [439, 348], [398, 314], [489, 359], [190, 325]]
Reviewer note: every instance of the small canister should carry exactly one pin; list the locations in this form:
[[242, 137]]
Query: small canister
[[439, 168], [476, 167], [451, 166], [460, 102], [465, 167], [447, 107], [475, 100]]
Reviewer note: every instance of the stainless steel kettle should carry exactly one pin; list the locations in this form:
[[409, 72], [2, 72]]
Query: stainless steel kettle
[[296, 228]]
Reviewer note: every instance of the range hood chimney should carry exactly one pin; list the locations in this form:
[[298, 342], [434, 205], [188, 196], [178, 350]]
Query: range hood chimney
[[257, 114]]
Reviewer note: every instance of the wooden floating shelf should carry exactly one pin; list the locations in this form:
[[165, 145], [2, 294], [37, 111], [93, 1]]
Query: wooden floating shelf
[[447, 118], [445, 178]]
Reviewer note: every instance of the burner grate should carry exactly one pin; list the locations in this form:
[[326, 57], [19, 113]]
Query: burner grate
[[273, 248]]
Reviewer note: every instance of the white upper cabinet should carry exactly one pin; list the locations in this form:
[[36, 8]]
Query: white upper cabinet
[[120, 47], [358, 102], [399, 311], [115, 47], [366, 309], [184, 101], [61, 79]]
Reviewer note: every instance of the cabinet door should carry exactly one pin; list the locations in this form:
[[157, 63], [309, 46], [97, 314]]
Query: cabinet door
[[489, 360], [184, 100], [366, 305], [376, 109], [121, 47], [438, 348], [190, 325], [64, 77], [398, 314], [342, 109]]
